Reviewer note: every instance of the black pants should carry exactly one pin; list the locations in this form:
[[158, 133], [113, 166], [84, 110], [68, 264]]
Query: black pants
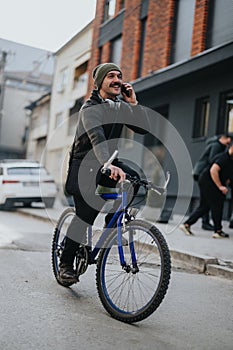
[[205, 217], [210, 199], [87, 207]]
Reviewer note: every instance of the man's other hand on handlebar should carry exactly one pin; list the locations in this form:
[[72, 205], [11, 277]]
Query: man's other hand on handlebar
[[116, 173]]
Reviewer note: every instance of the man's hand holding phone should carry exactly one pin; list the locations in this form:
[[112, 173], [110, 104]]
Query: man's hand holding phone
[[128, 93]]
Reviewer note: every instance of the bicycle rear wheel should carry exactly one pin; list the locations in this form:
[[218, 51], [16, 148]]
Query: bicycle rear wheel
[[127, 295], [58, 242]]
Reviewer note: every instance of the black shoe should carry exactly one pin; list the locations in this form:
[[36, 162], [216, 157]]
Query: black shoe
[[207, 226], [220, 234], [67, 273], [231, 224]]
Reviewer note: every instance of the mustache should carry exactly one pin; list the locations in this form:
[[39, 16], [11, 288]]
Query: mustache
[[115, 84]]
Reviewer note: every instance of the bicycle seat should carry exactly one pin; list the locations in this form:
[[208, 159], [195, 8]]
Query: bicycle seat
[[100, 190]]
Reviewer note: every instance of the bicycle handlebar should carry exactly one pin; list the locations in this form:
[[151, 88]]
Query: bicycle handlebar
[[111, 159], [148, 185]]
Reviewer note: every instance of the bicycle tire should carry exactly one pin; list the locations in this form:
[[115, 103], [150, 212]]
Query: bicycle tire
[[58, 236], [132, 297]]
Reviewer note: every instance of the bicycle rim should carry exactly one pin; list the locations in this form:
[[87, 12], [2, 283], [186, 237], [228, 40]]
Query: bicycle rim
[[127, 296], [58, 242]]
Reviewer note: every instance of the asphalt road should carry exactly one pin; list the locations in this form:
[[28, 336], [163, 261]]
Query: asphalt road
[[38, 313]]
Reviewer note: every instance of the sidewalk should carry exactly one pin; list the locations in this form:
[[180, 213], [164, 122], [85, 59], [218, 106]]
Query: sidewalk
[[200, 252]]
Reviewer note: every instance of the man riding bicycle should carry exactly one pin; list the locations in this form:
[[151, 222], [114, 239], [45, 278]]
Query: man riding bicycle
[[99, 127]]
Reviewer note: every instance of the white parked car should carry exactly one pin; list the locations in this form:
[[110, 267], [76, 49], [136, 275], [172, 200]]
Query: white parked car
[[23, 182]]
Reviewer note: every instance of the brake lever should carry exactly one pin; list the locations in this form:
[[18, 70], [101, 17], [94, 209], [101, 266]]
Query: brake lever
[[161, 190]]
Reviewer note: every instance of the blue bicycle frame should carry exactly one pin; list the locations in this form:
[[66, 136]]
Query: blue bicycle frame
[[117, 217]]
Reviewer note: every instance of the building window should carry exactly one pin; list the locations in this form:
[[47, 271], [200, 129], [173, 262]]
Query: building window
[[40, 147], [155, 144], [81, 76], [73, 116], [142, 46], [63, 78], [219, 25], [122, 4], [150, 141], [34, 121], [58, 120], [182, 30], [225, 117], [201, 117], [116, 48], [109, 10]]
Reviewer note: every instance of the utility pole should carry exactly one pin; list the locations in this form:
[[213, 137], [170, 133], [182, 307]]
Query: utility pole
[[2, 85]]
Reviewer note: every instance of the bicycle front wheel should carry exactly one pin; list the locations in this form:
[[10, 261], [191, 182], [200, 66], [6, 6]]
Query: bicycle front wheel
[[58, 242], [131, 295]]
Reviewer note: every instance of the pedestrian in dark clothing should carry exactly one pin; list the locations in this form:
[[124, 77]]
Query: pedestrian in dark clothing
[[99, 127], [213, 184], [214, 147]]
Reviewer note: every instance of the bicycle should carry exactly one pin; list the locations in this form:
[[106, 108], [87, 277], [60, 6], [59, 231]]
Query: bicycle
[[132, 259]]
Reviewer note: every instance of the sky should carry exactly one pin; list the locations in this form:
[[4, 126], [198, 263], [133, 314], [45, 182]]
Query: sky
[[44, 24]]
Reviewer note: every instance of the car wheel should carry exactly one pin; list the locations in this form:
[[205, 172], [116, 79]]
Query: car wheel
[[7, 206]]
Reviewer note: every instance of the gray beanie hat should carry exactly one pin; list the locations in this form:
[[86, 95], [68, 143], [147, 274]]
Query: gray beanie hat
[[101, 71]]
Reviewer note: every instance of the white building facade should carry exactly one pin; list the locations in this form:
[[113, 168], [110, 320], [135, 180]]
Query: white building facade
[[39, 111], [70, 86]]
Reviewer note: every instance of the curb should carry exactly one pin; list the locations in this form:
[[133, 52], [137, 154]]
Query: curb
[[221, 271], [191, 260], [201, 263], [180, 259], [37, 215]]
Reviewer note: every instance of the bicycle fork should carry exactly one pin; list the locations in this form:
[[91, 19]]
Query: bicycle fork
[[122, 219]]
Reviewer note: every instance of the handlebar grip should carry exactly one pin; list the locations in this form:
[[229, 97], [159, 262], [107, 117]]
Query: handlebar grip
[[106, 171]]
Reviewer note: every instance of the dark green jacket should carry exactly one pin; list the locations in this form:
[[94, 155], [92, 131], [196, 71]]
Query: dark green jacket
[[212, 150], [101, 121]]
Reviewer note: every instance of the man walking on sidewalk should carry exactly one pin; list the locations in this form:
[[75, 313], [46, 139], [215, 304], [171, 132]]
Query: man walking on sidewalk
[[214, 147], [213, 189]]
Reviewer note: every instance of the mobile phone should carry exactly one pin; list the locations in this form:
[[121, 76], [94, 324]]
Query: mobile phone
[[125, 91]]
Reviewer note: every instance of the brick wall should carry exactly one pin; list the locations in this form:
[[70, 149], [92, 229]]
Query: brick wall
[[131, 39], [118, 6], [157, 51], [158, 35], [106, 51], [199, 27]]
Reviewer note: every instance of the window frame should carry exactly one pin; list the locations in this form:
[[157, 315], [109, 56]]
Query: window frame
[[201, 117], [142, 46], [107, 7], [116, 58], [224, 111]]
